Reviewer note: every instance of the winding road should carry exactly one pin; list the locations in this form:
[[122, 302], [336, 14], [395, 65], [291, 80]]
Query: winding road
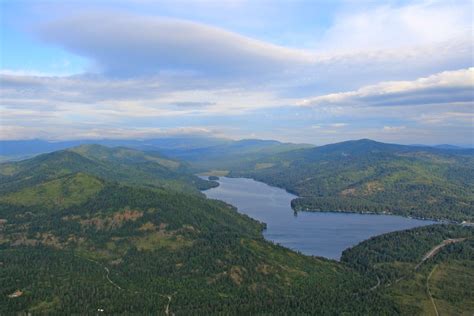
[[437, 248], [427, 256], [107, 273], [429, 292]]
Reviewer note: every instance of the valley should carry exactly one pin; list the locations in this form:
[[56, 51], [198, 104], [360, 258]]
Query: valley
[[122, 230]]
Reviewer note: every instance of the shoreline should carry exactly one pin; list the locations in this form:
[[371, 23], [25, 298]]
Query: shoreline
[[438, 220], [428, 222]]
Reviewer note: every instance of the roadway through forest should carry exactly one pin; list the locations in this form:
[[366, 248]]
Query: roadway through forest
[[107, 271], [107, 275], [427, 256], [376, 285], [437, 248], [429, 292]]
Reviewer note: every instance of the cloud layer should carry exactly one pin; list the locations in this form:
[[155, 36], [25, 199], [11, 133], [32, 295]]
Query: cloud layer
[[446, 87], [131, 46], [383, 72], [150, 45]]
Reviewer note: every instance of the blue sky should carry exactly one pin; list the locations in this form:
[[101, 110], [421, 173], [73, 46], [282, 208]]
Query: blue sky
[[301, 71]]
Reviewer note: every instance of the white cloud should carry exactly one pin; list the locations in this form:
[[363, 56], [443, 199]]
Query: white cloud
[[82, 131], [82, 106], [445, 87], [388, 27], [338, 125], [393, 128], [130, 45], [112, 99], [449, 118], [26, 72]]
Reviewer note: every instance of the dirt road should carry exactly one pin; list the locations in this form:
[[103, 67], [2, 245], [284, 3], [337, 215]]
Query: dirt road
[[437, 248]]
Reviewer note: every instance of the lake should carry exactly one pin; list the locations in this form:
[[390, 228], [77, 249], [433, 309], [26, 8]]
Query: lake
[[324, 234]]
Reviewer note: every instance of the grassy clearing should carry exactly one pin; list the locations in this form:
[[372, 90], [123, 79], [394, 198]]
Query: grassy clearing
[[161, 239]]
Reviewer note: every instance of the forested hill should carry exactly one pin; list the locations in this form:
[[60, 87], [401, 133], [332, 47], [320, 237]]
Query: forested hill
[[368, 176], [79, 233], [116, 164], [426, 270]]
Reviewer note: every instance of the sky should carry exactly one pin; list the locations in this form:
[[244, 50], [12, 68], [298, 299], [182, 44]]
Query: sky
[[298, 71]]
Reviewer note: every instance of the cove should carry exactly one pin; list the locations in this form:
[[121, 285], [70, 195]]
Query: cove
[[324, 234]]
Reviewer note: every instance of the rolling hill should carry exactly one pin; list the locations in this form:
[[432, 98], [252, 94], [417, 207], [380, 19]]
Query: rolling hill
[[117, 164], [368, 176]]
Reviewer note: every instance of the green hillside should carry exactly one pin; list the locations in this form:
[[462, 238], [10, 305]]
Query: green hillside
[[61, 192], [367, 176], [116, 164], [395, 260]]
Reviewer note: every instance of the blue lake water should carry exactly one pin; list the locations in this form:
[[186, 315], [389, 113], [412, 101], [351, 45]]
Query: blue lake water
[[322, 234]]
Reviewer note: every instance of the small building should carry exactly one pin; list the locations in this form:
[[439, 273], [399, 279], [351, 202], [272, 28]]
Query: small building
[[15, 294]]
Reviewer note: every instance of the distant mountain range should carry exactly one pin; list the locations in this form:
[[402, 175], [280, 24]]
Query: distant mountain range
[[204, 152], [186, 148]]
